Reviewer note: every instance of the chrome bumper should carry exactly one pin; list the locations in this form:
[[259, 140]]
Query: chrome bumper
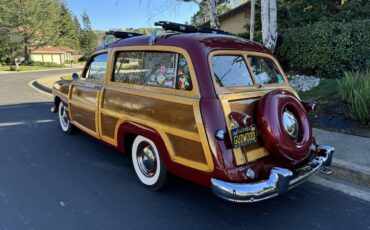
[[280, 180]]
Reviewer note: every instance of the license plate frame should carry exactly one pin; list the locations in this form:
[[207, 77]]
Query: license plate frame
[[242, 136]]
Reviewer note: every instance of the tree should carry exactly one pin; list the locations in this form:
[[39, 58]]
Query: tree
[[77, 31], [88, 38], [269, 23], [32, 20], [67, 31], [252, 17], [212, 8]]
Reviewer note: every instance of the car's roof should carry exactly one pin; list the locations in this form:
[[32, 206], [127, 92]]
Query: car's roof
[[189, 41]]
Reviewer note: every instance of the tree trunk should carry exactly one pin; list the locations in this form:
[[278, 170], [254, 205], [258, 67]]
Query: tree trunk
[[265, 21], [273, 25], [252, 17], [269, 24], [215, 24], [26, 54]]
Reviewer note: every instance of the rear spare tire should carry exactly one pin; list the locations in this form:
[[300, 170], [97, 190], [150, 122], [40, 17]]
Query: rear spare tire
[[283, 125]]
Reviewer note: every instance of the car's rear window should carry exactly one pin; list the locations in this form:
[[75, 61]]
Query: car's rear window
[[231, 71], [265, 70]]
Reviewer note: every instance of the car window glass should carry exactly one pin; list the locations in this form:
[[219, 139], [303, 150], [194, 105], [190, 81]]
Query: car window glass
[[265, 70], [97, 67], [129, 68], [183, 80], [231, 71], [159, 69]]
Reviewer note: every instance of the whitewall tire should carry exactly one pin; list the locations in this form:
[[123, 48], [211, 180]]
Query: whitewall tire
[[148, 164], [64, 122]]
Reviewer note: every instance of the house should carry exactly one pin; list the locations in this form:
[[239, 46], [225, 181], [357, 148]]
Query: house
[[236, 20], [59, 55]]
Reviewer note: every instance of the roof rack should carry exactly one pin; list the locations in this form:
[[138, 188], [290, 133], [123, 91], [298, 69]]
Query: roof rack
[[187, 28], [115, 34], [122, 35]]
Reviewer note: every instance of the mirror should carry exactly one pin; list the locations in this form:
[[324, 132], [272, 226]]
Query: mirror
[[75, 76]]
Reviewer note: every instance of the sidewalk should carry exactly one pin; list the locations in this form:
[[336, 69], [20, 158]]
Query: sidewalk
[[352, 153]]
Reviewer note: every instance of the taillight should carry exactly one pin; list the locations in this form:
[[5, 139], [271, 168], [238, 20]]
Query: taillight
[[241, 119]]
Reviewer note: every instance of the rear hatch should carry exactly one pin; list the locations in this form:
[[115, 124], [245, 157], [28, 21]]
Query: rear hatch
[[241, 78]]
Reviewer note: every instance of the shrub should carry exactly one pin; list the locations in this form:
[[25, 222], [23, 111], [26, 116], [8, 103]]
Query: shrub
[[327, 49], [354, 89], [38, 63]]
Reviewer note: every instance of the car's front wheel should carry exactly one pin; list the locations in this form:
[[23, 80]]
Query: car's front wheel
[[65, 124], [148, 164]]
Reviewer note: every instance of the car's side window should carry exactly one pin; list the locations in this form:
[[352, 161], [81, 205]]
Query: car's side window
[[129, 68], [159, 69], [97, 67]]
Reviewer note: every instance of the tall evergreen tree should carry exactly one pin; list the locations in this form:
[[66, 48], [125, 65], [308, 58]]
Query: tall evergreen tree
[[67, 33], [77, 31], [88, 39]]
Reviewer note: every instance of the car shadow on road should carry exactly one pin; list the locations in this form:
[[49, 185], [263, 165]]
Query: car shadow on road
[[99, 187]]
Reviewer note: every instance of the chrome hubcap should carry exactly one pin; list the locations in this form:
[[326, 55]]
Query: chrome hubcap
[[146, 159], [290, 124]]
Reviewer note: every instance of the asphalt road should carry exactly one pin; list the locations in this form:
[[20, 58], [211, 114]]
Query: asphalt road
[[50, 180]]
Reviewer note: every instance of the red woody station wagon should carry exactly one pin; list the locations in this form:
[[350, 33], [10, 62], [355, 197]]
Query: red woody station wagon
[[197, 103]]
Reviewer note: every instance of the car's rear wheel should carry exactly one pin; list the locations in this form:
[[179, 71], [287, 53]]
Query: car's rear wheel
[[64, 121], [148, 164]]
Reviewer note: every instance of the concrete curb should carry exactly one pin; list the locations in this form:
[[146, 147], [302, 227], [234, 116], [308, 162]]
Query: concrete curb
[[351, 172], [41, 87]]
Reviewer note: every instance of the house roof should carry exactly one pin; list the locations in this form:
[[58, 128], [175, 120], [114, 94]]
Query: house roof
[[231, 13], [50, 49]]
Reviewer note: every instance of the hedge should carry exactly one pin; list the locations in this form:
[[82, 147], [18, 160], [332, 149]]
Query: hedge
[[326, 48]]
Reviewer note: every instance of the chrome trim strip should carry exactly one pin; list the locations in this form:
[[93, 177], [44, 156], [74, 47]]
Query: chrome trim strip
[[279, 181]]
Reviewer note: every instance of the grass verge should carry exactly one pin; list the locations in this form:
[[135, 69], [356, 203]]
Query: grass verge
[[27, 68]]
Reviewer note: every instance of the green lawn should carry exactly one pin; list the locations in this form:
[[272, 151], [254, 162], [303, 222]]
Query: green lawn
[[27, 68], [67, 77], [325, 88]]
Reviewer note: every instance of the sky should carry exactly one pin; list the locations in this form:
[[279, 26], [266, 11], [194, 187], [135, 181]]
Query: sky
[[122, 14]]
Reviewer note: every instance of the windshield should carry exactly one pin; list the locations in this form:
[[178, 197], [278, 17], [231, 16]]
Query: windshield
[[231, 71]]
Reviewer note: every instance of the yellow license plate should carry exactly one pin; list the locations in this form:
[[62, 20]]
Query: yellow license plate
[[242, 136]]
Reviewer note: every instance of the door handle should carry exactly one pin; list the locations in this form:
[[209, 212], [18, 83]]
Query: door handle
[[98, 87]]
